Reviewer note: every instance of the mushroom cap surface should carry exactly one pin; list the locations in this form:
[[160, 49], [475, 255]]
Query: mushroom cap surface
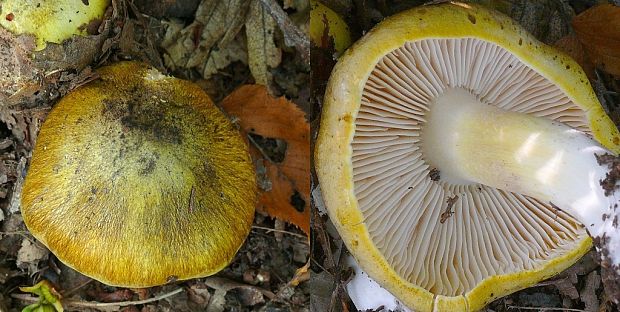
[[347, 162], [138, 179], [326, 25]]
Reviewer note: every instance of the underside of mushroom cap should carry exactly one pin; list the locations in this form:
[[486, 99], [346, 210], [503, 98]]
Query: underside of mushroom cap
[[137, 179], [375, 108]]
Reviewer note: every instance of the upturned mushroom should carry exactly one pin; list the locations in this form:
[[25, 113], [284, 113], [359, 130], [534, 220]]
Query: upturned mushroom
[[138, 179], [328, 29], [43, 37], [458, 158]]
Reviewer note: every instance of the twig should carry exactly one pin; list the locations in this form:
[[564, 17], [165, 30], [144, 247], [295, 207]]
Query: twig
[[324, 242], [225, 284], [279, 231], [76, 288], [321, 267], [25, 235], [259, 148], [151, 53], [293, 36], [545, 309], [191, 199], [14, 233], [93, 304]]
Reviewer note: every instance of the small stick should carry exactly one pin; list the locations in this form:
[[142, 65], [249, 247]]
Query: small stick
[[93, 304], [546, 309], [276, 230]]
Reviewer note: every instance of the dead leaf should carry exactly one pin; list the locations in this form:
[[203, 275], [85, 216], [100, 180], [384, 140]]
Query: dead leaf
[[588, 293], [24, 123], [13, 231], [220, 283], [199, 294], [256, 276], [323, 286], [127, 42], [30, 254], [301, 275], [259, 113], [293, 35], [262, 51], [598, 28], [217, 302], [168, 8], [143, 293], [566, 286], [17, 70], [547, 20], [219, 59], [204, 43], [99, 294], [572, 46], [248, 295], [15, 200]]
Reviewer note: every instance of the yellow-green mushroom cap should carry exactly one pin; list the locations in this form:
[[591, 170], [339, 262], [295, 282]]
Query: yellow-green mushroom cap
[[50, 20], [138, 179], [434, 244], [325, 24]]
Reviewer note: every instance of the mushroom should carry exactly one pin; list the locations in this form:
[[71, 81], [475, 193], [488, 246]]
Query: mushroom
[[138, 179], [41, 38], [50, 20], [457, 158], [327, 29]]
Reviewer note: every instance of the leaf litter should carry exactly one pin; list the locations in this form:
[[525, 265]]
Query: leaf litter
[[287, 195], [215, 38], [269, 271]]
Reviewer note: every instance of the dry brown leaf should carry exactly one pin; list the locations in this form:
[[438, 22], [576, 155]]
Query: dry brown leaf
[[224, 284], [571, 45], [598, 28], [301, 275], [566, 286], [588, 293], [30, 254], [199, 294], [217, 301], [168, 8], [547, 20], [203, 44], [262, 51], [15, 199], [219, 59], [294, 35], [103, 295], [261, 114]]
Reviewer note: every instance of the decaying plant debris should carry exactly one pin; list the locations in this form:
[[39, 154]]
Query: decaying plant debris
[[264, 43]]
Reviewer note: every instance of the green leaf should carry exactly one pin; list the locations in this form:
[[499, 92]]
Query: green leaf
[[49, 299]]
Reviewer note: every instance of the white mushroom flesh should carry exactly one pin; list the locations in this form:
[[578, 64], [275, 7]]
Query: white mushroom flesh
[[447, 234]]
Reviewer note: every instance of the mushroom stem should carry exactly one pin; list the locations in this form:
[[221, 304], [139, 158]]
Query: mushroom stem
[[471, 142]]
